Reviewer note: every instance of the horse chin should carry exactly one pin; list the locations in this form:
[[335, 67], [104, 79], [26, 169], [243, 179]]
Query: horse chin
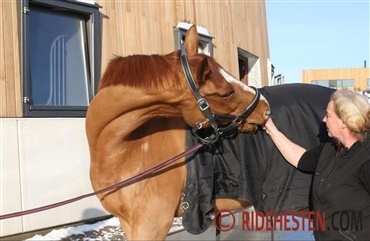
[[248, 127]]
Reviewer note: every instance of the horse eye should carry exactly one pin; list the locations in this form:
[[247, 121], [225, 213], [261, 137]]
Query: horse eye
[[230, 92]]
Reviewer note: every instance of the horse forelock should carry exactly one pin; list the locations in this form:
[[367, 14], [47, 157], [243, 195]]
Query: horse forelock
[[142, 71]]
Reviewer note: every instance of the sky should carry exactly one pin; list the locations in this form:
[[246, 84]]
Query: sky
[[317, 34]]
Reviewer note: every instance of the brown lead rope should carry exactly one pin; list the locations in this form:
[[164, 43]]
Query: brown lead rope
[[115, 186]]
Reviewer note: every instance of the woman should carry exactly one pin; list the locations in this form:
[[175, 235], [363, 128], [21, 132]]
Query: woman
[[341, 185]]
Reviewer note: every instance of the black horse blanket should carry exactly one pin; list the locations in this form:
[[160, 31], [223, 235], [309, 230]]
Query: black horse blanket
[[250, 167]]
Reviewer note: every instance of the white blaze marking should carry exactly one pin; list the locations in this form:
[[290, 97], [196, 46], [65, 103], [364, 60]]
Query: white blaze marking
[[232, 80]]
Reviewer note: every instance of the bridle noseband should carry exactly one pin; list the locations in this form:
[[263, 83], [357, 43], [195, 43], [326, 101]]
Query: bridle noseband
[[210, 116]]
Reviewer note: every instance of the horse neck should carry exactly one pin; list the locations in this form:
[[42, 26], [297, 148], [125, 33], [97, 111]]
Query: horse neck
[[128, 109]]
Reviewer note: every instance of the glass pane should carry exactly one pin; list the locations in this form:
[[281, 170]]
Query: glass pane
[[58, 62], [332, 83], [340, 83], [324, 83], [348, 83]]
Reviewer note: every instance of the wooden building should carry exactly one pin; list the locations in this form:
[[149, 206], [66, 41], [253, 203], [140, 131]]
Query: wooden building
[[52, 54], [352, 78], [237, 30]]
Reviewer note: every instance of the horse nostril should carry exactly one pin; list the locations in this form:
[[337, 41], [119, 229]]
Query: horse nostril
[[267, 113]]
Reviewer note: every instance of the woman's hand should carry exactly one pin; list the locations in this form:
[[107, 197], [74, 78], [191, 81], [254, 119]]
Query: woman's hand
[[269, 126]]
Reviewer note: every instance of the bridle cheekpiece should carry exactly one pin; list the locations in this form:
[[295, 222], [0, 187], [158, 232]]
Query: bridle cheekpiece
[[208, 114]]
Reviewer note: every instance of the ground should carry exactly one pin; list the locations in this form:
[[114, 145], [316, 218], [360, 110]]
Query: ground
[[105, 230]]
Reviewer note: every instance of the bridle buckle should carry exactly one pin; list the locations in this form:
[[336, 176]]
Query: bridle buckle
[[199, 125], [203, 104]]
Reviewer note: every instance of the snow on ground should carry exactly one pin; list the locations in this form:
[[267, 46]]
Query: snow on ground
[[109, 229]]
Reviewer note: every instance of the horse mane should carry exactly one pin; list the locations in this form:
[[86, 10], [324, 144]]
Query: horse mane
[[141, 71]]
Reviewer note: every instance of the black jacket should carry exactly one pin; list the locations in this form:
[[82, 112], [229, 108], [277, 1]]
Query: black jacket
[[341, 189]]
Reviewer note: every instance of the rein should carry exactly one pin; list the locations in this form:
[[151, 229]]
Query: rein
[[114, 186], [210, 116]]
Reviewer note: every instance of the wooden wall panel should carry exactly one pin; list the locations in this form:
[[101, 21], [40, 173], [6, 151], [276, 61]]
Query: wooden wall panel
[[359, 75], [146, 27], [3, 89], [10, 86]]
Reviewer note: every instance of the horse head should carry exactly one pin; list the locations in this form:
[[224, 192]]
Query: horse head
[[221, 98]]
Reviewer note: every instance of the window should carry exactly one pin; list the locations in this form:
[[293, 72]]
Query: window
[[324, 83], [348, 83], [368, 82], [205, 41], [60, 57], [335, 84], [279, 79], [248, 67]]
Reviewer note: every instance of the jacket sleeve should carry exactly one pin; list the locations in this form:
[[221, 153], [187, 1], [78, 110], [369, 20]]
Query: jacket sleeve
[[365, 176], [310, 158]]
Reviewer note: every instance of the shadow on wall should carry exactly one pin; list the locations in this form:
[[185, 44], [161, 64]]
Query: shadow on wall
[[94, 213]]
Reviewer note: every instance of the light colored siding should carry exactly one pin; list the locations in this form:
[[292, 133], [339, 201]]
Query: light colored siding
[[145, 27], [359, 75], [10, 81]]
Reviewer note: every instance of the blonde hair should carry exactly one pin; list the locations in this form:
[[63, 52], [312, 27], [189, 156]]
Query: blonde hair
[[354, 110]]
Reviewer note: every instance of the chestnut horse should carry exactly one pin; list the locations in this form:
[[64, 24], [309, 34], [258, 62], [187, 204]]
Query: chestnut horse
[[138, 119]]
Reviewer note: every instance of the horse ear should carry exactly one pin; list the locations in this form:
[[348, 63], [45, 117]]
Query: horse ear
[[191, 41], [203, 71]]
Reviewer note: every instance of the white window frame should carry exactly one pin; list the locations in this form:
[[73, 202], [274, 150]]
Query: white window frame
[[205, 40]]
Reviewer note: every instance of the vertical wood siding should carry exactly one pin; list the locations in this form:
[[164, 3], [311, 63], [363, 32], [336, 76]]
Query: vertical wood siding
[[10, 80], [146, 27], [359, 75]]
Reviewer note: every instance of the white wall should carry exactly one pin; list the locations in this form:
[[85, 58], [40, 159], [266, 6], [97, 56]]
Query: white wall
[[43, 161], [87, 1], [254, 75]]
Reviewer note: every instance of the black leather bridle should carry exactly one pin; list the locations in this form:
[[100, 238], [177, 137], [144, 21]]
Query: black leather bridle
[[208, 114]]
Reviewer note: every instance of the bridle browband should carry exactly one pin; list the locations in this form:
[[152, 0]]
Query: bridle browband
[[208, 114]]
